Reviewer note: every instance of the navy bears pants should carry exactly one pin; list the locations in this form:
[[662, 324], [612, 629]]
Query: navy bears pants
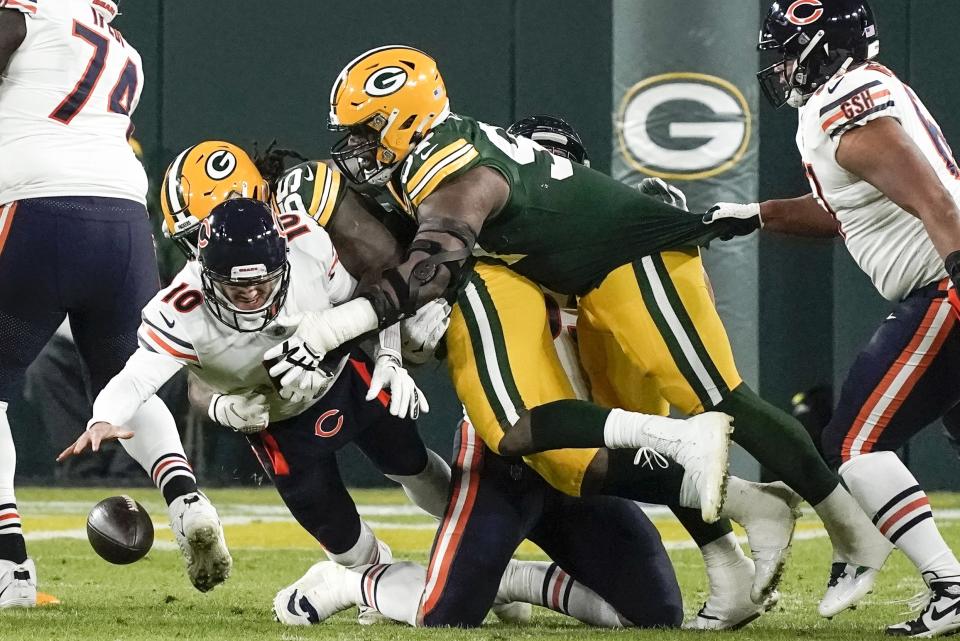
[[606, 543], [91, 259], [299, 454], [903, 380]]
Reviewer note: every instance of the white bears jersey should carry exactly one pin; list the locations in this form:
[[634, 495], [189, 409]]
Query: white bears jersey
[[65, 104], [178, 329], [888, 243]]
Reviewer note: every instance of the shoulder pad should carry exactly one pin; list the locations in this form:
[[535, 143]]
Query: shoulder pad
[[855, 99], [443, 154], [311, 189], [28, 7]]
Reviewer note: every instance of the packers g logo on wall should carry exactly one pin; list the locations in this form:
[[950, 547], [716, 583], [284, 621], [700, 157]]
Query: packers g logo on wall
[[220, 164], [384, 82], [683, 126]]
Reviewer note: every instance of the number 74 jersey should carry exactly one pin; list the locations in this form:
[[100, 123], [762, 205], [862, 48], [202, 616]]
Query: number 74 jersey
[[564, 226], [65, 104]]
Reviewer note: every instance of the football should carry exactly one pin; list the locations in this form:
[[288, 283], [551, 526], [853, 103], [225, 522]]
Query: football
[[120, 530]]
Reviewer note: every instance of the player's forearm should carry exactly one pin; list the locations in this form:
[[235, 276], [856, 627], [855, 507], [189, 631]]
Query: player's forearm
[[801, 216], [140, 379]]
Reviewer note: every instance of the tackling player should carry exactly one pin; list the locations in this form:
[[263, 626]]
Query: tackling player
[[217, 318], [881, 176], [75, 240], [527, 218]]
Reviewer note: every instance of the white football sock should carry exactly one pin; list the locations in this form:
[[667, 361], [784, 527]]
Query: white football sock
[[547, 585], [632, 430], [156, 445], [891, 495], [722, 553], [9, 515], [366, 551], [854, 538], [430, 488], [394, 589]]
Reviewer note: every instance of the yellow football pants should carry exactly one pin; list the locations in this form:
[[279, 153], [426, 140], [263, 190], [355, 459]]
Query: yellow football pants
[[659, 312], [502, 361]]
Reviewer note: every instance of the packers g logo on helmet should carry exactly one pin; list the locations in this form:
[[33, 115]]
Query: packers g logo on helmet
[[200, 178], [386, 101], [221, 164], [386, 81]]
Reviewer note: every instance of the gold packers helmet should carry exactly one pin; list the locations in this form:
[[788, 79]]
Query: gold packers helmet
[[200, 178], [386, 100]]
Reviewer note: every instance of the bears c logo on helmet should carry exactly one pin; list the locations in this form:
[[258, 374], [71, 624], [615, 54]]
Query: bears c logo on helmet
[[204, 233], [386, 81], [220, 164], [813, 17]]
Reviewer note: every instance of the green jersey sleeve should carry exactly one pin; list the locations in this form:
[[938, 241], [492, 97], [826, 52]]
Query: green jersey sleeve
[[311, 189]]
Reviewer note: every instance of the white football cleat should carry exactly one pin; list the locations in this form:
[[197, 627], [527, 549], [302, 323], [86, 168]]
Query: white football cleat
[[940, 615], [315, 597], [197, 529], [515, 612], [701, 444], [18, 584], [848, 584], [729, 606], [769, 523]]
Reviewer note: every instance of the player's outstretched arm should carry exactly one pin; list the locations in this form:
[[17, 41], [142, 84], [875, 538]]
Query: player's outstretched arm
[[801, 216], [881, 153], [450, 220], [13, 29]]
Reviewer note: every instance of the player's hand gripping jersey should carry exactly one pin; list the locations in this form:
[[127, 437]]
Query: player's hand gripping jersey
[[65, 104], [564, 226], [888, 243], [178, 329]]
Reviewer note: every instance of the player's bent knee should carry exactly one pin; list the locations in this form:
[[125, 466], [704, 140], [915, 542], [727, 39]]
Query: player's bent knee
[[831, 444], [517, 438]]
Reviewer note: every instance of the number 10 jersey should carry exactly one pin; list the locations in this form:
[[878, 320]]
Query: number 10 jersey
[[65, 104]]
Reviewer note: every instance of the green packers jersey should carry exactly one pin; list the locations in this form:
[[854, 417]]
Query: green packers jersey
[[310, 189], [564, 226]]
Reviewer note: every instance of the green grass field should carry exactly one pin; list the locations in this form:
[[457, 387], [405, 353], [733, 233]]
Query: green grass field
[[153, 599]]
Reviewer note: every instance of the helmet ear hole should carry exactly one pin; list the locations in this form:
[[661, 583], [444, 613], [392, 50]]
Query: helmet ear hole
[[408, 122]]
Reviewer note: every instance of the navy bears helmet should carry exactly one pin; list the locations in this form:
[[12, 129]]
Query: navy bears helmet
[[553, 133], [816, 39], [242, 247]]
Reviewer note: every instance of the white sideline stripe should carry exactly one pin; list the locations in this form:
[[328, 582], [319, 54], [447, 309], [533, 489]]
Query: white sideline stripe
[[81, 507], [52, 535]]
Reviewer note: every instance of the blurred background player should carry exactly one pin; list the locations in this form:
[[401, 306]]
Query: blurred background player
[[75, 241], [218, 317], [882, 176]]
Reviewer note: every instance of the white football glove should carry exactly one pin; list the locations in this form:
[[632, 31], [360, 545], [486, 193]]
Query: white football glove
[[749, 214], [420, 334], [658, 188], [300, 370], [405, 397], [246, 413]]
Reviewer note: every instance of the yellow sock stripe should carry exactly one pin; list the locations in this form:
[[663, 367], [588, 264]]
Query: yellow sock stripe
[[325, 198], [433, 181], [433, 161]]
